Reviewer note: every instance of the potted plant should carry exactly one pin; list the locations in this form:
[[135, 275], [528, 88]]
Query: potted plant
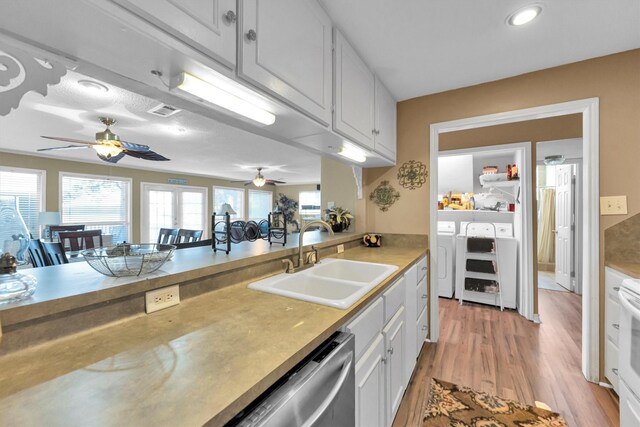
[[338, 218], [288, 207]]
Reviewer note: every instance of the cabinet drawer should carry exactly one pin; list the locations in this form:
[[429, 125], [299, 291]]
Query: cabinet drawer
[[612, 319], [611, 363], [613, 279], [367, 325], [393, 299], [422, 268], [421, 296], [421, 330]]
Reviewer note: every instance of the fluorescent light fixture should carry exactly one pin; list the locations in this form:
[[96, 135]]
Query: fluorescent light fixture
[[524, 15], [352, 152], [223, 97]]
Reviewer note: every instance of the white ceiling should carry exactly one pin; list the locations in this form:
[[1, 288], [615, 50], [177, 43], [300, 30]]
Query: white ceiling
[[196, 145], [418, 47]]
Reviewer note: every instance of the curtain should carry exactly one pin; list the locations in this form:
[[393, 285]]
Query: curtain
[[546, 225]]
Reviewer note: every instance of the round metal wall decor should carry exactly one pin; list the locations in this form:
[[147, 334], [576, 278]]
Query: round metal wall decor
[[384, 196], [412, 174]]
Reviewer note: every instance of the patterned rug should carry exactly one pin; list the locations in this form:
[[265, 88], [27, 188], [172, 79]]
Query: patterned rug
[[454, 406]]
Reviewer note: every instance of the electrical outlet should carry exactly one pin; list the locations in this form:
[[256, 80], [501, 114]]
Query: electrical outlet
[[162, 298], [613, 205], [340, 248]]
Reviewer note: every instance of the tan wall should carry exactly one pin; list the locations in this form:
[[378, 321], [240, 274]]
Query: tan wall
[[53, 167], [614, 79], [338, 185]]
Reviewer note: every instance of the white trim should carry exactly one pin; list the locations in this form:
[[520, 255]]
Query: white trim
[[589, 108]]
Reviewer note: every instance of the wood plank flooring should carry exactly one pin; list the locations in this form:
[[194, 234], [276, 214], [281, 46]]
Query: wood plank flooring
[[504, 354]]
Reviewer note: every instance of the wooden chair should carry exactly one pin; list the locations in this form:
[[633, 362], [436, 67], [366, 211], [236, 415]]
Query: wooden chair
[[186, 236], [167, 236], [196, 244], [80, 239], [37, 254], [55, 229], [54, 252]]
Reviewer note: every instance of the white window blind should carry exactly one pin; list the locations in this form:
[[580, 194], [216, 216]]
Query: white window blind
[[27, 186], [233, 196], [100, 203], [260, 204], [309, 203]]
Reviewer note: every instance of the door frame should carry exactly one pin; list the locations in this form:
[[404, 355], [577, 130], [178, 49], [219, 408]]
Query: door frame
[[589, 108]]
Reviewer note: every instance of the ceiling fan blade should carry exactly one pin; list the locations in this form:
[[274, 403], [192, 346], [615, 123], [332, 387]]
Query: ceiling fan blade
[[75, 141], [130, 146], [112, 159], [275, 181], [146, 155], [67, 147]]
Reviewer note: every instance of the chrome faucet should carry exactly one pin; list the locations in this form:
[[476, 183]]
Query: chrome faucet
[[310, 262]]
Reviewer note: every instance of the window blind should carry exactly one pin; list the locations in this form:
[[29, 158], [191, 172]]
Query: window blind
[[260, 204], [235, 197], [27, 187]]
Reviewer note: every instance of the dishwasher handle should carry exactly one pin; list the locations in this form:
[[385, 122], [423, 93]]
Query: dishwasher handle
[[331, 396]]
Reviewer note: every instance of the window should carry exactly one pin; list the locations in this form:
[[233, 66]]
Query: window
[[98, 202], [309, 204], [27, 185], [260, 204], [233, 196], [172, 206]]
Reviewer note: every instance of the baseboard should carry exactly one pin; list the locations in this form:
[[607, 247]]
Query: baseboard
[[536, 318]]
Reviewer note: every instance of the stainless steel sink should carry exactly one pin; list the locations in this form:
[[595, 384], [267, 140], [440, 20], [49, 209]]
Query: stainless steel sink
[[334, 282]]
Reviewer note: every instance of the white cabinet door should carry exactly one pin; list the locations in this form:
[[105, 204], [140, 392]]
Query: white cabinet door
[[394, 342], [205, 25], [285, 48], [354, 94], [411, 281], [385, 122], [370, 386]]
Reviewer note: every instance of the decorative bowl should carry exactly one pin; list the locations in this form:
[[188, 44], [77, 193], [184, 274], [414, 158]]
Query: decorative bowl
[[127, 259]]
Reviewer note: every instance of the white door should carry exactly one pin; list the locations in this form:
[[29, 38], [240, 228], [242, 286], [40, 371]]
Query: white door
[[385, 122], [209, 26], [355, 89], [564, 225], [394, 339], [285, 48], [370, 386], [172, 206]]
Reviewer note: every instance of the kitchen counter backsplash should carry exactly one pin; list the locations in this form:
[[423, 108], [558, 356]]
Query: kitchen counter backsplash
[[622, 241]]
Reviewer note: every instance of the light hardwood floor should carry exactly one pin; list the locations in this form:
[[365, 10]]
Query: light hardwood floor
[[504, 354]]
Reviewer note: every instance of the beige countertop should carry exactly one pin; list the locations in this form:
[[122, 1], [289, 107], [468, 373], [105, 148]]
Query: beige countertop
[[203, 360], [629, 268]]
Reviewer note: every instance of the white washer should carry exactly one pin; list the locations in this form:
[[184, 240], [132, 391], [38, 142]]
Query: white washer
[[446, 258]]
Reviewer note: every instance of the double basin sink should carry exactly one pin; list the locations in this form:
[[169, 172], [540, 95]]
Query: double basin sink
[[334, 282]]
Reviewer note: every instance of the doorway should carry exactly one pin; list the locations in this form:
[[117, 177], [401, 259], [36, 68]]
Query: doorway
[[589, 111]]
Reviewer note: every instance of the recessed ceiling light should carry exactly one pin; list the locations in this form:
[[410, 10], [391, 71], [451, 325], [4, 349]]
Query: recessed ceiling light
[[93, 85], [524, 15]]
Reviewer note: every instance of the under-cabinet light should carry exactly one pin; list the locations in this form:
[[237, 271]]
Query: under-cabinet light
[[217, 95], [352, 152]]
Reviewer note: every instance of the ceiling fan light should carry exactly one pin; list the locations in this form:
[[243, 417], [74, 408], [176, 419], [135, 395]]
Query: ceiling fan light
[[219, 96], [107, 150], [259, 181], [554, 160]]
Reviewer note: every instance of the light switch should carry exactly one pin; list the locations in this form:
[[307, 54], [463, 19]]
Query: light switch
[[613, 205]]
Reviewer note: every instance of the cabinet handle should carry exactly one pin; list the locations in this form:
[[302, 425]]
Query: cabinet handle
[[230, 17], [615, 370], [424, 296], [424, 327], [617, 288], [251, 35], [383, 360], [390, 350], [616, 326], [424, 268]]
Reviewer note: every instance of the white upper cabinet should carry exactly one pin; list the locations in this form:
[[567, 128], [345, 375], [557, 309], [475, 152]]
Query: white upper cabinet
[[385, 122], [208, 26], [354, 94], [285, 49]]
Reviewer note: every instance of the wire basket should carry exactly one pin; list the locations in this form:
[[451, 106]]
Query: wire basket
[[128, 260]]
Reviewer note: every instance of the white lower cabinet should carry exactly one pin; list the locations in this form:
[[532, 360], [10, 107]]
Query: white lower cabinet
[[613, 279], [370, 385], [394, 344]]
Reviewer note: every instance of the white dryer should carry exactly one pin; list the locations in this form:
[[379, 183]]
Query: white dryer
[[446, 258]]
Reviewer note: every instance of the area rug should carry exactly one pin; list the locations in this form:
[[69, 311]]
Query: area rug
[[451, 405]]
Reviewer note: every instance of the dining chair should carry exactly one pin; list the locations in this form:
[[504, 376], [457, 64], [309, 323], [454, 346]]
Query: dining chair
[[81, 239], [37, 255], [54, 253], [55, 229], [167, 236], [186, 236], [196, 244]]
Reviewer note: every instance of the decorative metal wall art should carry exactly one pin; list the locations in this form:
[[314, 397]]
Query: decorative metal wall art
[[21, 73], [412, 174], [384, 196]]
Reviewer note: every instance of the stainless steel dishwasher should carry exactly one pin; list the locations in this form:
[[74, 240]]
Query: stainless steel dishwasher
[[319, 392]]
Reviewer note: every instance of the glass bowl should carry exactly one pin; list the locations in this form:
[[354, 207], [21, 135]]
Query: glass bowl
[[127, 259]]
